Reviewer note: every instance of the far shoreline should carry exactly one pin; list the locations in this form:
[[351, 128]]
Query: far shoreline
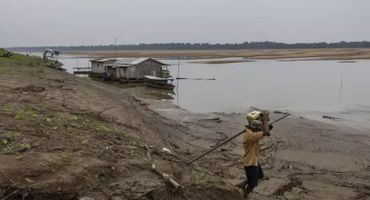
[[265, 54]]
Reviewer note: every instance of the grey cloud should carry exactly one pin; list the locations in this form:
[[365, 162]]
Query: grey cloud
[[76, 22]]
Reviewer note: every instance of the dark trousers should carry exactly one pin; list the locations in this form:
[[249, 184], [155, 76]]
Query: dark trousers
[[253, 173]]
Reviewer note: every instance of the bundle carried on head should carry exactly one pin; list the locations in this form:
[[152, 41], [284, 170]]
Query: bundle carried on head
[[258, 120]]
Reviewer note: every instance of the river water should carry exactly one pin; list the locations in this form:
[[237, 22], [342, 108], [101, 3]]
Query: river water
[[309, 88]]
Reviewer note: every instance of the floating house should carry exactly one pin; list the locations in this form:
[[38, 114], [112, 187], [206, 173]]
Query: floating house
[[129, 69], [98, 65]]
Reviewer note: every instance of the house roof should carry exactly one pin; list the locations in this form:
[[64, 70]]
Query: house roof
[[103, 60], [127, 62]]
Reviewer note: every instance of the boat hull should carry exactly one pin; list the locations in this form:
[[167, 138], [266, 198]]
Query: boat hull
[[164, 86]]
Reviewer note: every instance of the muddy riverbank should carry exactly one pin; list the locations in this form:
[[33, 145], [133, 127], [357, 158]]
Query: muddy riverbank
[[304, 159], [64, 137]]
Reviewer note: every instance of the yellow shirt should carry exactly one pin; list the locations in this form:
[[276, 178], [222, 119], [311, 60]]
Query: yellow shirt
[[251, 147]]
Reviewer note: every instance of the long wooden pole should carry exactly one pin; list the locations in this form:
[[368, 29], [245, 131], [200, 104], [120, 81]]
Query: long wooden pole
[[228, 140], [341, 86], [115, 47]]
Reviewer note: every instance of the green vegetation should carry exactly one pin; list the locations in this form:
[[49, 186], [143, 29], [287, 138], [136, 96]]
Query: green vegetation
[[74, 118], [85, 121], [102, 128], [19, 58], [33, 115], [27, 113], [14, 142], [198, 176]]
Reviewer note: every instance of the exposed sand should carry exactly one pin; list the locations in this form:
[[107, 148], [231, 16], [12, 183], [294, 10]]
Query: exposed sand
[[221, 61], [333, 54]]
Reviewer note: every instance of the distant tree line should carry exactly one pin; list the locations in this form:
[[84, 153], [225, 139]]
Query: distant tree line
[[201, 46]]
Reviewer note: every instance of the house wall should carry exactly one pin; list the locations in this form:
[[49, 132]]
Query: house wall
[[121, 72], [97, 67], [125, 73], [148, 67]]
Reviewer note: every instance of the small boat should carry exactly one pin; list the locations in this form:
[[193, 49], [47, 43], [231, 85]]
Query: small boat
[[165, 86], [160, 83], [56, 65]]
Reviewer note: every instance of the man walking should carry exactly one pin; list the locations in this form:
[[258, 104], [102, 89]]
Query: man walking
[[257, 129]]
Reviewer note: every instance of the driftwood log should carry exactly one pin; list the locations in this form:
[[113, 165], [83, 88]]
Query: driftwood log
[[165, 176]]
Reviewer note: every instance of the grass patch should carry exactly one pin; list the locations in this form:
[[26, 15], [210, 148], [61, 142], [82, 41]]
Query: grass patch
[[12, 134], [7, 109], [83, 121], [198, 176], [13, 142], [7, 63], [15, 57], [27, 113], [74, 118], [103, 128]]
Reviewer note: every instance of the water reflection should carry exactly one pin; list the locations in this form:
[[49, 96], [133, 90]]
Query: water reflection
[[143, 91]]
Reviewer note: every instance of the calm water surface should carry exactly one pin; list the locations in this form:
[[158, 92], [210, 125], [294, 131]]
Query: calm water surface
[[298, 85], [307, 88]]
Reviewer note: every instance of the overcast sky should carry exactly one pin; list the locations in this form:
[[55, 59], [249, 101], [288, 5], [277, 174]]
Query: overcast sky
[[85, 22]]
